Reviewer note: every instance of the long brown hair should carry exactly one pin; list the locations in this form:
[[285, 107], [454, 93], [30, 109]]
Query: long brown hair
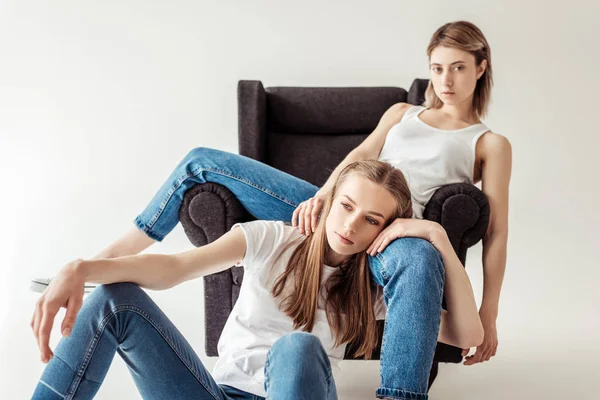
[[350, 291], [464, 36]]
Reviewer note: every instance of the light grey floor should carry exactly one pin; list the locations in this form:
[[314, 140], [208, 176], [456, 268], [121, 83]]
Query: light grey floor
[[524, 368]]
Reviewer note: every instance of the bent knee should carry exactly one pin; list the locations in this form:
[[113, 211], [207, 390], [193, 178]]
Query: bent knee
[[202, 153], [417, 251], [299, 343], [117, 293]]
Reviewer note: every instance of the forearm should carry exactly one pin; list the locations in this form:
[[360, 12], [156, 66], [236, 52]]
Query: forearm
[[152, 271], [350, 158], [462, 316], [163, 271], [494, 266]]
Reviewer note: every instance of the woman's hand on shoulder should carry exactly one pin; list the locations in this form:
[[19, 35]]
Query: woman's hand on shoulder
[[408, 227], [306, 215]]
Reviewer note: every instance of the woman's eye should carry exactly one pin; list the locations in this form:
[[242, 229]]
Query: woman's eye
[[346, 206], [372, 221], [459, 67]]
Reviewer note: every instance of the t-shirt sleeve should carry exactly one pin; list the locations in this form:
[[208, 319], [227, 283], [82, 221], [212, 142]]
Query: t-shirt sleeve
[[262, 237]]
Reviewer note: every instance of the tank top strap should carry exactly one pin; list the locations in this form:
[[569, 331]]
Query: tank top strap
[[411, 112]]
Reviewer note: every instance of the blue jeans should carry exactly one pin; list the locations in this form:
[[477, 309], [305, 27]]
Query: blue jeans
[[122, 318], [410, 270]]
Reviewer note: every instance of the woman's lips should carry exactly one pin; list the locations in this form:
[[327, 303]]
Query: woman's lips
[[343, 239]]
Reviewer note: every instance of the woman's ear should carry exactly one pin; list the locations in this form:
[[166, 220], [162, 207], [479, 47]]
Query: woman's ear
[[481, 68]]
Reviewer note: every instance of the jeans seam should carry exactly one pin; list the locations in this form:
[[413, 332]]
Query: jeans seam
[[101, 329], [196, 172]]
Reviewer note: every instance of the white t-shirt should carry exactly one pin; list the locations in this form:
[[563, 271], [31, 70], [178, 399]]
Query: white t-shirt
[[256, 322]]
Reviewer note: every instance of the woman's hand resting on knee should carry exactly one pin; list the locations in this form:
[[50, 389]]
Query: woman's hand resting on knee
[[65, 290], [306, 215], [408, 227]]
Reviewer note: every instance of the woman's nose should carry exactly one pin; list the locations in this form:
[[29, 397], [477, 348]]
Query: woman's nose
[[350, 223], [447, 80]]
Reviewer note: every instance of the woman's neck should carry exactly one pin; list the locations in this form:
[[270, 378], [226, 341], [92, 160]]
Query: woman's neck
[[334, 259], [462, 112]]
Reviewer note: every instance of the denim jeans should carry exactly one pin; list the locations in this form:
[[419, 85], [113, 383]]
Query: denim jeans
[[410, 270], [121, 317]]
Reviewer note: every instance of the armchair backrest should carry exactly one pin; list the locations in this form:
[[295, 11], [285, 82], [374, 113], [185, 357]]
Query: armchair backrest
[[308, 131]]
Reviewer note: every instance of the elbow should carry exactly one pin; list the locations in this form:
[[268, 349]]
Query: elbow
[[474, 338]]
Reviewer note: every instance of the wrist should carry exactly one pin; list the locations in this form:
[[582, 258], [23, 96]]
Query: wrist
[[79, 267], [437, 233], [489, 313]]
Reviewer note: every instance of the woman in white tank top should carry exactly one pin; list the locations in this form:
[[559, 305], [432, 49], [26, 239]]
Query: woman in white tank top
[[445, 142]]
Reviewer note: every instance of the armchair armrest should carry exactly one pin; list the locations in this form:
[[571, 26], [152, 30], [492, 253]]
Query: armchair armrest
[[208, 211], [464, 212]]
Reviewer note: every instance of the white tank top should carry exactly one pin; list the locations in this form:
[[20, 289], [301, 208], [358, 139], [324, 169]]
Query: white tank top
[[430, 157]]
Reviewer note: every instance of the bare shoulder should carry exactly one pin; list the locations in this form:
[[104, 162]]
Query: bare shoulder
[[395, 113], [494, 145]]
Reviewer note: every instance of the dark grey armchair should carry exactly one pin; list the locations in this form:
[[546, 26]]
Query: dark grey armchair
[[306, 132]]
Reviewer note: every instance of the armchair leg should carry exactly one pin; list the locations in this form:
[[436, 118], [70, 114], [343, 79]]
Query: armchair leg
[[433, 373]]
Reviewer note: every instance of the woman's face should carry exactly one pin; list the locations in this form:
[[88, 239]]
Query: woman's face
[[358, 214], [454, 75]]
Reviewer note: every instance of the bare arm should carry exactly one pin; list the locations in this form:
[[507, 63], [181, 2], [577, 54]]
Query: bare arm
[[496, 172], [163, 271], [460, 325], [152, 271], [370, 148]]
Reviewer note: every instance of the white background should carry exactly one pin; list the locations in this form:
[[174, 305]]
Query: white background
[[99, 100]]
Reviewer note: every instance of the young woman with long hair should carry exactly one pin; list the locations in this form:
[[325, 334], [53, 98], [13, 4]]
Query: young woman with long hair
[[303, 298]]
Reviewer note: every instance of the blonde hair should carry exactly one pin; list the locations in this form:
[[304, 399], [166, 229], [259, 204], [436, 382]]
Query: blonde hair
[[350, 290], [464, 36]]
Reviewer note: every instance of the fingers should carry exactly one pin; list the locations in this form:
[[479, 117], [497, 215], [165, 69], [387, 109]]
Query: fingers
[[295, 216], [35, 323], [73, 307], [489, 353], [464, 352], [306, 216], [375, 245], [315, 214], [381, 242], [384, 243], [475, 358], [301, 217], [372, 246], [41, 324], [44, 333]]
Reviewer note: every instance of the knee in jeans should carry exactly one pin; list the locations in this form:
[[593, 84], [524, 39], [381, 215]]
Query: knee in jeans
[[201, 153], [297, 345], [421, 252], [196, 153], [115, 293]]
